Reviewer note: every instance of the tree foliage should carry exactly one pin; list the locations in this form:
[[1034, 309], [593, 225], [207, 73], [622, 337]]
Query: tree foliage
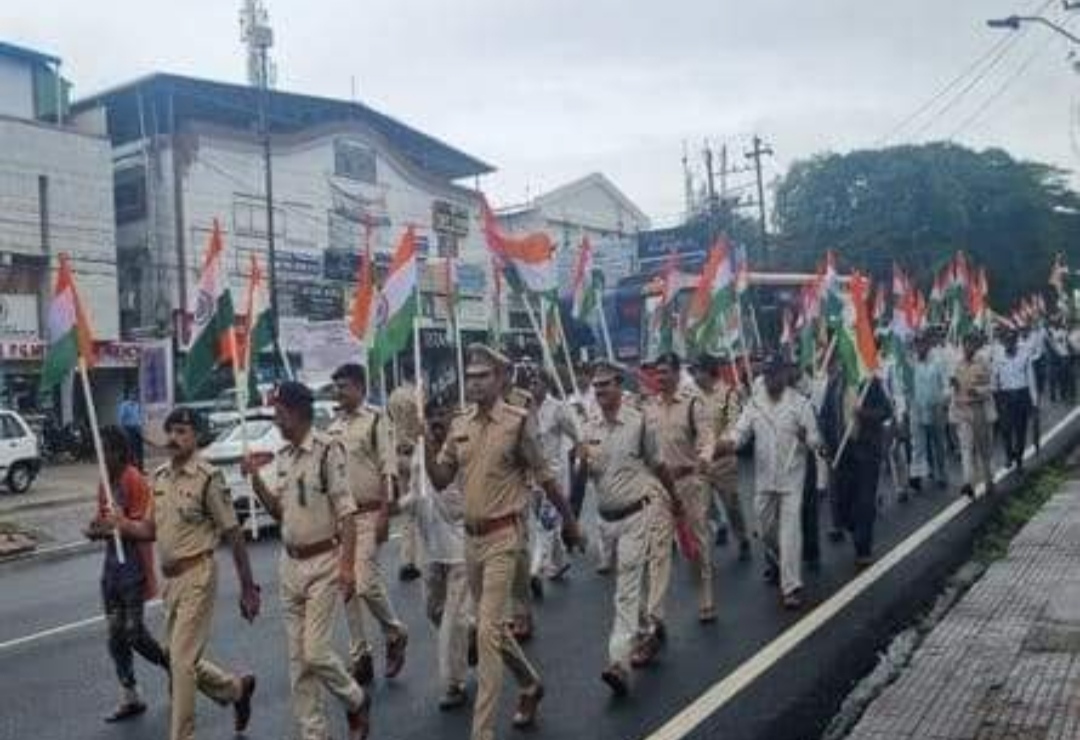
[[917, 205]]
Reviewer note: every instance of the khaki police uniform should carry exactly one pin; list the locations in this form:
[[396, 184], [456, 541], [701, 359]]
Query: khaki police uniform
[[312, 489], [685, 440], [723, 407], [192, 508], [974, 414], [371, 460], [626, 494], [494, 453]]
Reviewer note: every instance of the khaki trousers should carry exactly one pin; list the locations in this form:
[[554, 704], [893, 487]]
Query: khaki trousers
[[779, 518], [976, 448], [189, 611], [631, 538], [309, 597], [724, 477], [449, 607], [370, 590], [695, 495], [661, 526], [491, 562]]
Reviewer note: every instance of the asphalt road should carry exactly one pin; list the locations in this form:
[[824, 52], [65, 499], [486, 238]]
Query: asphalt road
[[56, 679]]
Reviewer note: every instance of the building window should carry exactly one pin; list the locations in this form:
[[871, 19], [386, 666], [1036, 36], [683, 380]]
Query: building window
[[354, 161], [249, 219], [129, 193]]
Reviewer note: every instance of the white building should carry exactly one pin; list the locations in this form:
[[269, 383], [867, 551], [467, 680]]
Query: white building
[[189, 151], [591, 206], [56, 197]]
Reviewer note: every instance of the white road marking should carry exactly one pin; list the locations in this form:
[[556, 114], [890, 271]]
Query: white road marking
[[62, 629], [720, 693]]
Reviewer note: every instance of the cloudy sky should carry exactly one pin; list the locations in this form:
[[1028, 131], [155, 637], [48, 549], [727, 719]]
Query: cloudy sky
[[550, 90]]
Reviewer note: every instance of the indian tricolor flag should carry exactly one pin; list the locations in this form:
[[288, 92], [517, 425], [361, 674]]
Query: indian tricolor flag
[[856, 343], [397, 302], [213, 338], [260, 333], [70, 337], [528, 260], [584, 288], [714, 295], [363, 305]]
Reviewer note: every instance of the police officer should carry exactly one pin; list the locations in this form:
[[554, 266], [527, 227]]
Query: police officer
[[618, 451], [494, 448], [192, 510], [686, 444], [311, 499], [372, 467], [723, 404]]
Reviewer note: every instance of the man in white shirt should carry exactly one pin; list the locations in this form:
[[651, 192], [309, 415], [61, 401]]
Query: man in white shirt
[[782, 425], [1015, 385], [929, 414], [559, 431]]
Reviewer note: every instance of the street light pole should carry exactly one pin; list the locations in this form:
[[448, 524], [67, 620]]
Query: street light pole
[[1013, 22]]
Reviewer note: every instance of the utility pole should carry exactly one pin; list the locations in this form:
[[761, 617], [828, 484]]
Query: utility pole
[[688, 183], [710, 184], [259, 37], [760, 150]]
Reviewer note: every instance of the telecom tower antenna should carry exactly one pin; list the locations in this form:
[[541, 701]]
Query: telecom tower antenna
[[258, 37]]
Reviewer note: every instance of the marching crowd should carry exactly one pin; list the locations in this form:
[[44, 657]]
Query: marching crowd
[[491, 495]]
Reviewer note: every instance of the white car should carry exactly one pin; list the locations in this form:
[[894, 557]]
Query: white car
[[20, 456], [264, 441]]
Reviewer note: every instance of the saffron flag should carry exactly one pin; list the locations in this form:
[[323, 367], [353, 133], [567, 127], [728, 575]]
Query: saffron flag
[[70, 337], [714, 295], [260, 334], [363, 305], [213, 342], [856, 343]]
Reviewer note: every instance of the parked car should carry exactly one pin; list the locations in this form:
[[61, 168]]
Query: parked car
[[20, 457], [264, 441]]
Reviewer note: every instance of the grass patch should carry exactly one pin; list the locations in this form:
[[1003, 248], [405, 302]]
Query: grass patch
[[1017, 511]]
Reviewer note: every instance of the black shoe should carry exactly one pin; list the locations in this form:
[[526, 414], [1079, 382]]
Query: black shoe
[[126, 711], [456, 696], [363, 670], [744, 551], [660, 632], [409, 572], [968, 491], [835, 535], [772, 575], [537, 587], [916, 484], [721, 537], [242, 707]]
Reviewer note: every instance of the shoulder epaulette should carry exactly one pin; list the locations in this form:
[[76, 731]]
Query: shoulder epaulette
[[161, 469]]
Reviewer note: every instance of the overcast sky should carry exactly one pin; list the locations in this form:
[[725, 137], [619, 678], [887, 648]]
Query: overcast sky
[[548, 91]]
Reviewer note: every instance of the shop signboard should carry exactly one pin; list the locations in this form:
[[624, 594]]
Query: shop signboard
[[18, 316]]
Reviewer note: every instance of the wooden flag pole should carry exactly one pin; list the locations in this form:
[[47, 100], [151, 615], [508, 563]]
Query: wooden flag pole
[[242, 400], [545, 351], [103, 472]]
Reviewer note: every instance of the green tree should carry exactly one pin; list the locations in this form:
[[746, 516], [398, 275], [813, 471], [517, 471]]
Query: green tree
[[917, 205]]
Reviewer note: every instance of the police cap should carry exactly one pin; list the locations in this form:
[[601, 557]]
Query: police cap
[[293, 395], [607, 370], [482, 358]]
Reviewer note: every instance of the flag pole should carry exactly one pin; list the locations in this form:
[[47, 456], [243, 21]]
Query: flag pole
[[418, 372], [604, 331], [566, 349], [545, 351], [460, 357], [95, 433], [851, 424]]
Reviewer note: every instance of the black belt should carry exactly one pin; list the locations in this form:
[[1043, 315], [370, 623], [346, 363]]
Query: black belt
[[617, 515]]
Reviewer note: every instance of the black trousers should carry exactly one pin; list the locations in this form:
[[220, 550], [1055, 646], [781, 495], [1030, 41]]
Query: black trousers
[[811, 533], [127, 631], [135, 439], [1015, 416], [856, 488]]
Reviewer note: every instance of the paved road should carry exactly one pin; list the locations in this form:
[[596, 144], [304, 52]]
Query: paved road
[[72, 670]]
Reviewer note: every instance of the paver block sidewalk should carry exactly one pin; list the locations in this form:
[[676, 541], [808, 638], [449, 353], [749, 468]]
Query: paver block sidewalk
[[1004, 664]]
